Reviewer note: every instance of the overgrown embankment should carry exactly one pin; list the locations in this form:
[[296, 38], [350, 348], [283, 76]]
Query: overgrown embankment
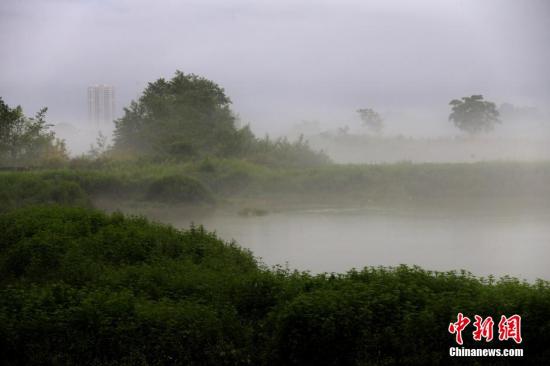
[[212, 181], [81, 287]]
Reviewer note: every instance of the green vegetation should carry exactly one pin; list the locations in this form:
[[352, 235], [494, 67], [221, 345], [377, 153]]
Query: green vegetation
[[81, 287], [183, 117], [78, 286], [174, 189], [27, 141], [220, 181], [473, 114], [190, 117], [19, 189]]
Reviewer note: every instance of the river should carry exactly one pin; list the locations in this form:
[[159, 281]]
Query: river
[[336, 240]]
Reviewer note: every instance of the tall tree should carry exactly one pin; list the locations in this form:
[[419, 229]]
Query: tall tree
[[185, 116], [473, 114], [27, 141]]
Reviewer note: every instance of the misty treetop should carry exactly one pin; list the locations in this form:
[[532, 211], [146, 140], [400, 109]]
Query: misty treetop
[[27, 141], [189, 116], [184, 116], [473, 114], [371, 119]]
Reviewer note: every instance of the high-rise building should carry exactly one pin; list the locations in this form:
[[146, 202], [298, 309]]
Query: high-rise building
[[101, 105]]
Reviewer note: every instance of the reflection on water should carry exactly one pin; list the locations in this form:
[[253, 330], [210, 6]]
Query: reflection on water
[[337, 240]]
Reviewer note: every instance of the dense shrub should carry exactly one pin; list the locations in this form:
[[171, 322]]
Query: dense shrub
[[27, 188], [178, 189], [81, 287], [208, 180], [79, 188], [283, 153], [78, 286]]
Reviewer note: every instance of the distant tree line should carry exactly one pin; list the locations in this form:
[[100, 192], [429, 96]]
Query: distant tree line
[[472, 115], [189, 117]]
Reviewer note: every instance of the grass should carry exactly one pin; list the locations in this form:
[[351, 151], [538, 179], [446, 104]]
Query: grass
[[216, 180]]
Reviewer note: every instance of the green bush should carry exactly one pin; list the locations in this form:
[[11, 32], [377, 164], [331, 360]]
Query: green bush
[[78, 286], [81, 287], [27, 188], [215, 180], [178, 189]]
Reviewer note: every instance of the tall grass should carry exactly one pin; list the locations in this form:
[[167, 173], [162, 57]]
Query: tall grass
[[208, 180]]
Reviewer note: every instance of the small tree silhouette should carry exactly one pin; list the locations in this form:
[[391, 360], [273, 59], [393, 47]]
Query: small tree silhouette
[[473, 114], [371, 119]]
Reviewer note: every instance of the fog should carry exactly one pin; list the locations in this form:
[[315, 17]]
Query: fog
[[304, 69], [482, 241], [281, 62], [274, 182]]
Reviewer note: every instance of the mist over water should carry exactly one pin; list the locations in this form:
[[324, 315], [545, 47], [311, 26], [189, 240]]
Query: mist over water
[[484, 242], [260, 182], [303, 68]]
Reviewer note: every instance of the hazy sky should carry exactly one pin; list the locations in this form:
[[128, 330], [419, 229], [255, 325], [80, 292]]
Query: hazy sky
[[280, 61]]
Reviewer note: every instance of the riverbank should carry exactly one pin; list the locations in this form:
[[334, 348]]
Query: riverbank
[[246, 185]]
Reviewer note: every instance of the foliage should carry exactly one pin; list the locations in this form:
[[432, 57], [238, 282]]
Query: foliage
[[217, 180], [190, 117], [183, 117], [473, 114], [25, 188], [27, 141], [81, 287], [19, 189], [283, 153], [371, 119], [100, 148], [178, 189]]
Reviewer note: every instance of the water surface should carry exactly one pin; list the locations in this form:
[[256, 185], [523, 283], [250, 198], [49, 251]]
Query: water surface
[[336, 240]]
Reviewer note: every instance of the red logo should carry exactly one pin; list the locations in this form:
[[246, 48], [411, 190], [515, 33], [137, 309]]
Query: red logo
[[459, 326], [484, 328], [508, 328]]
